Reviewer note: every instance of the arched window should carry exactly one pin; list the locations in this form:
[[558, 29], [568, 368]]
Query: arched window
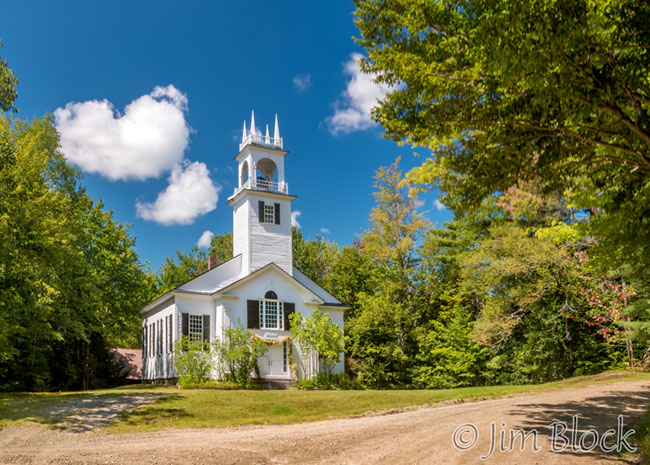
[[265, 174], [244, 174], [270, 295], [271, 312]]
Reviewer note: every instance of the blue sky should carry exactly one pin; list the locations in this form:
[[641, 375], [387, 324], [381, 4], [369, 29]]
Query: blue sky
[[191, 73]]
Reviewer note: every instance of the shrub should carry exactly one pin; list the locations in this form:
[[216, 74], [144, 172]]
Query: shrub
[[193, 361], [318, 334], [323, 381], [238, 354], [210, 384]]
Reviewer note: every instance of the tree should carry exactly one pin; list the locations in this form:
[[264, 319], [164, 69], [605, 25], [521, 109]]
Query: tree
[[500, 91], [318, 335], [8, 83], [176, 271], [221, 247], [186, 266], [380, 336], [313, 257], [349, 276], [70, 281]]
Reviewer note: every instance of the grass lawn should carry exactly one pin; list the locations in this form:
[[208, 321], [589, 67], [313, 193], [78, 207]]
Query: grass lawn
[[209, 407]]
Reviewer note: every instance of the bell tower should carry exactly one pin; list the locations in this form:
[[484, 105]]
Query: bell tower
[[261, 202]]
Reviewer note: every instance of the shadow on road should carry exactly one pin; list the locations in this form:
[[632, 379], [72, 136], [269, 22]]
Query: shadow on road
[[599, 412]]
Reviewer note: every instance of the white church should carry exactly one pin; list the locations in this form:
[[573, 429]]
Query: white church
[[259, 287]]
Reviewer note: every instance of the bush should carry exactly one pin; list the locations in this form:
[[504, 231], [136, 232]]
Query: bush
[[237, 356], [322, 381], [318, 334], [193, 361], [210, 384]]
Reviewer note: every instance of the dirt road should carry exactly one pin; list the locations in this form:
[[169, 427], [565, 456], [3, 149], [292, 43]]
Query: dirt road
[[422, 436]]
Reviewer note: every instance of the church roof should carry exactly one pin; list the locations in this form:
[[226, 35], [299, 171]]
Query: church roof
[[228, 275]]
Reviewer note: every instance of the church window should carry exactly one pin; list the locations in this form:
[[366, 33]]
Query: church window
[[269, 213], [195, 333], [271, 313]]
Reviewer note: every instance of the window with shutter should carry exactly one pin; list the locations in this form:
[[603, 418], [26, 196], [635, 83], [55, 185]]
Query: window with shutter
[[269, 213], [271, 313]]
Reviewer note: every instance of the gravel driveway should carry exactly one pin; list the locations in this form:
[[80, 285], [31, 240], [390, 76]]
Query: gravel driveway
[[422, 436]]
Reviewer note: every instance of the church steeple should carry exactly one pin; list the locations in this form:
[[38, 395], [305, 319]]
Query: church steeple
[[261, 201]]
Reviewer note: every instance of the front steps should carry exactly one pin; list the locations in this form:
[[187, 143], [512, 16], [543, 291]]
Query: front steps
[[277, 383]]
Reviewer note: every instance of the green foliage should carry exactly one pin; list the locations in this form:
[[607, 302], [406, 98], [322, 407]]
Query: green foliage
[[209, 384], [322, 381], [221, 247], [193, 361], [350, 275], [186, 266], [176, 271], [554, 93], [70, 281], [380, 333], [313, 257], [8, 83], [237, 355], [448, 356], [488, 84], [318, 335], [641, 437]]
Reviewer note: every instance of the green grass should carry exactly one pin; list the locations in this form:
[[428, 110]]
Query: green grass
[[223, 408], [642, 437]]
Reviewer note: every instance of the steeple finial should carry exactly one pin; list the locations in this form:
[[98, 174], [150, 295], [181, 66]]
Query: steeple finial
[[243, 134], [276, 136], [253, 122]]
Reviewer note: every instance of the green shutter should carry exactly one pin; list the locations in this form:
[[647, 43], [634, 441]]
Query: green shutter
[[253, 314], [289, 308], [144, 341], [185, 325], [260, 214], [277, 213], [206, 329]]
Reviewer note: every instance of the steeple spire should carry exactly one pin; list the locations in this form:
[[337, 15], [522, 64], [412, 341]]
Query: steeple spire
[[252, 135]]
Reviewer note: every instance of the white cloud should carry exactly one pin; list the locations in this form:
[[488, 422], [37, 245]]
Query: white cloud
[[439, 205], [204, 240], [325, 231], [190, 194], [147, 140], [302, 82], [294, 218], [419, 203], [352, 111]]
